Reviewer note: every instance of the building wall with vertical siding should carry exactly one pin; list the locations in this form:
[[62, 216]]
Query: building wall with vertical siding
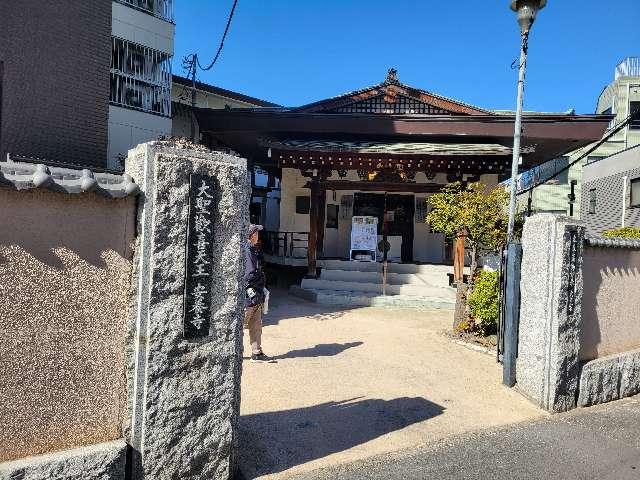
[[607, 178], [55, 83]]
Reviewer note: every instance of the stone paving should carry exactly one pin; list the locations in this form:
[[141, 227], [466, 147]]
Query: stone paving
[[351, 384]]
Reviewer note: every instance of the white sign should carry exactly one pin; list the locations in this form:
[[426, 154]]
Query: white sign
[[364, 235]]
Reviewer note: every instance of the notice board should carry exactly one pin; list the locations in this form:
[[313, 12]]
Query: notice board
[[364, 235]]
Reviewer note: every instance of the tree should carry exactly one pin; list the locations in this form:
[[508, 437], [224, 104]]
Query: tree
[[477, 212]]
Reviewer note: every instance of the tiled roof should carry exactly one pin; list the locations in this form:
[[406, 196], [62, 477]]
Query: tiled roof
[[35, 173], [391, 82], [394, 148], [614, 242], [205, 87]]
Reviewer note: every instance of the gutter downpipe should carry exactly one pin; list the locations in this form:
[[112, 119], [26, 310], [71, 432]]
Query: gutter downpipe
[[624, 199]]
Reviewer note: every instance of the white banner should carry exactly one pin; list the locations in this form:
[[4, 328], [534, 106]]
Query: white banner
[[364, 233]]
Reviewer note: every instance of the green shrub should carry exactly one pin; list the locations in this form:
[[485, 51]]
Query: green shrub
[[484, 302], [626, 232]]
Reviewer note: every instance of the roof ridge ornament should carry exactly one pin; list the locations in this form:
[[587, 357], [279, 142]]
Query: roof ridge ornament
[[392, 77]]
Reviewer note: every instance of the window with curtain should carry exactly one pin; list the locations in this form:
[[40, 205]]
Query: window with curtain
[[635, 192]]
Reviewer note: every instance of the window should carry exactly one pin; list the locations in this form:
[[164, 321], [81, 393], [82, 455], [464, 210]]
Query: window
[[592, 200], [552, 167], [635, 192], [553, 211], [332, 216], [635, 107], [140, 77], [255, 212], [303, 205], [160, 8]]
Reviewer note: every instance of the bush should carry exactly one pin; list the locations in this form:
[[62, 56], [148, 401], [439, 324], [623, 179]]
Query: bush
[[484, 302], [626, 232]]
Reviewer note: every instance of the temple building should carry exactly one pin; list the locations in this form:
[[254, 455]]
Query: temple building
[[377, 152]]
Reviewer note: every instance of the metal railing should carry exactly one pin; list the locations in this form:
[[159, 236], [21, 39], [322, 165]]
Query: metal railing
[[158, 8], [285, 244], [629, 67], [140, 77]]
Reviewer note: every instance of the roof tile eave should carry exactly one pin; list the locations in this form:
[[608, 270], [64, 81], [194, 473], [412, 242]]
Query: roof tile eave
[[375, 90], [223, 92]]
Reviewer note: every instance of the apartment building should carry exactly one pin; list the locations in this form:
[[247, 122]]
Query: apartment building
[[90, 107], [562, 194], [54, 80], [142, 39], [611, 192]]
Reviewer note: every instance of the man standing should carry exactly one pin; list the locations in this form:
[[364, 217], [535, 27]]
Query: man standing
[[254, 299]]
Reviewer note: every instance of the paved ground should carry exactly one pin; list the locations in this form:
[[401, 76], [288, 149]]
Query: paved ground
[[350, 384], [601, 442]]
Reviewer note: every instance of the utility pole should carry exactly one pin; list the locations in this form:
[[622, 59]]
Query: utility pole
[[194, 67]]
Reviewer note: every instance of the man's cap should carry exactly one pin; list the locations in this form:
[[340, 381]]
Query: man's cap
[[253, 229]]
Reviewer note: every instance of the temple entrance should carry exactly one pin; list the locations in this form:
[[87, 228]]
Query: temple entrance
[[400, 212]]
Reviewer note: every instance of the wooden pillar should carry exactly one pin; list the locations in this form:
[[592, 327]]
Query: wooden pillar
[[458, 259], [322, 210], [314, 214]]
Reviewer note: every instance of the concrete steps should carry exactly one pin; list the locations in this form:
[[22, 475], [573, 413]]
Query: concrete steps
[[377, 267], [360, 284], [423, 290], [369, 299], [376, 277], [397, 273]]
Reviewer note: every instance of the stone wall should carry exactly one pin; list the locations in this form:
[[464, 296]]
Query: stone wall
[[579, 337], [185, 392], [65, 267]]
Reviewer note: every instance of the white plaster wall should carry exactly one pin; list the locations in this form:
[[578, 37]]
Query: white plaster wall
[[205, 99], [128, 128], [610, 307], [427, 246], [142, 28]]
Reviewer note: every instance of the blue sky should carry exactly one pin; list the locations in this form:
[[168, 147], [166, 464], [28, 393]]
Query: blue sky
[[294, 52]]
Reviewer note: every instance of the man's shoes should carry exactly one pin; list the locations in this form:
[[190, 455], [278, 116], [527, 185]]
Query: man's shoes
[[261, 357]]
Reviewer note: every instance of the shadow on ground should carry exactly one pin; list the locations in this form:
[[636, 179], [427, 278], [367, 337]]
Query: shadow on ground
[[321, 350], [283, 306], [271, 442]]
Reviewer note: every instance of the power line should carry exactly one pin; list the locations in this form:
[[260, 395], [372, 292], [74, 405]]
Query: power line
[[224, 36], [632, 116]]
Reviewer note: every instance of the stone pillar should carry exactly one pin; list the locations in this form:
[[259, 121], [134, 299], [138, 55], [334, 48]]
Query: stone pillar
[[184, 364], [550, 311]]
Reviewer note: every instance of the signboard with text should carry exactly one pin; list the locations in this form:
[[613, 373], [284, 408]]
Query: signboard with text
[[364, 235], [199, 256]]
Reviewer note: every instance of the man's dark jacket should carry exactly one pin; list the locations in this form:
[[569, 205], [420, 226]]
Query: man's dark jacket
[[253, 277]]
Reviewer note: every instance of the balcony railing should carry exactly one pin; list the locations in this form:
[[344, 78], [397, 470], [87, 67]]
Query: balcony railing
[[629, 67], [285, 244], [158, 8], [140, 77]]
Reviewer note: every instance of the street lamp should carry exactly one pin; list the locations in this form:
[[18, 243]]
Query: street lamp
[[526, 10]]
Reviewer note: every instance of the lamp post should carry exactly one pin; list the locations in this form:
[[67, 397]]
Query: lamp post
[[526, 10]]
